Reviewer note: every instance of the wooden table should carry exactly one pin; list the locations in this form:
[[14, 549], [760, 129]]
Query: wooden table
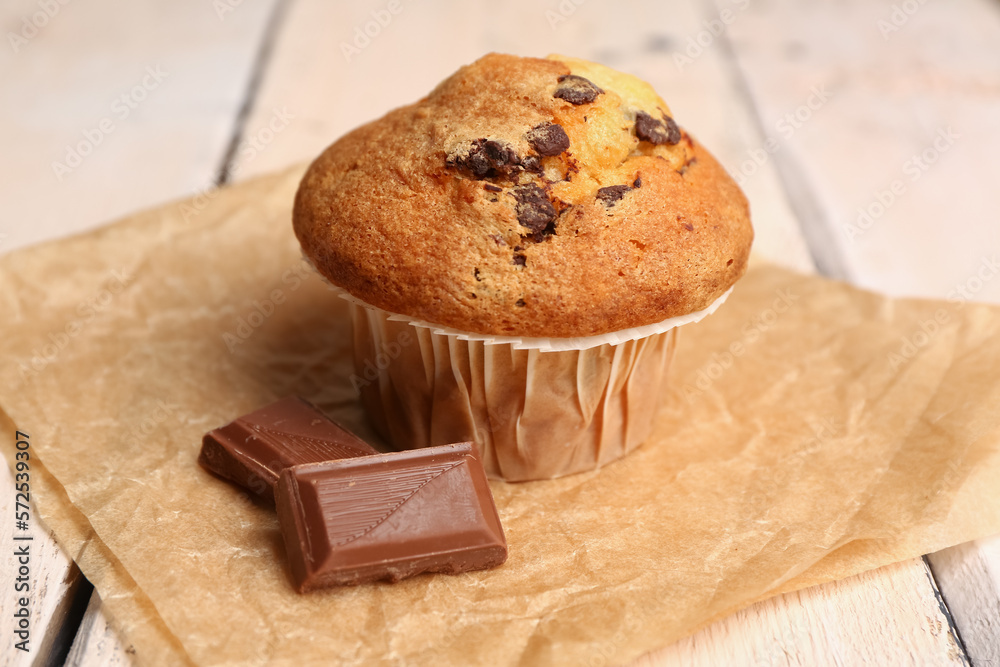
[[864, 133]]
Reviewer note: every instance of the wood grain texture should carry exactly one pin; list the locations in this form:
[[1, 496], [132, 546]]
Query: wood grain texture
[[915, 105], [884, 617], [183, 71], [969, 577]]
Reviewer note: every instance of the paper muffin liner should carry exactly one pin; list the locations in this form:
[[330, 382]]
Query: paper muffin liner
[[549, 344], [537, 408]]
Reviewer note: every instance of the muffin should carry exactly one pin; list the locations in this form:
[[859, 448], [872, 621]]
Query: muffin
[[519, 248]]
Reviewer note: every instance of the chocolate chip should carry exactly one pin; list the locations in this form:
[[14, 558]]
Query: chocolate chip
[[611, 194], [576, 90], [534, 210], [656, 132], [637, 183], [548, 139], [492, 188], [520, 302], [532, 163], [673, 131], [498, 153], [688, 226], [519, 260], [485, 158], [475, 273]]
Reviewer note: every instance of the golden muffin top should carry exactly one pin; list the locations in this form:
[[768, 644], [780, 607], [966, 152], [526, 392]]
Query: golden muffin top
[[526, 197]]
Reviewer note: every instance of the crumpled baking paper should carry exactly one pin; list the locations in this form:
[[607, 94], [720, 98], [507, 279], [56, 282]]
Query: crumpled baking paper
[[811, 431]]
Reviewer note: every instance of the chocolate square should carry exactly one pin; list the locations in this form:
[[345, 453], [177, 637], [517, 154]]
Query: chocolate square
[[389, 516], [254, 449]]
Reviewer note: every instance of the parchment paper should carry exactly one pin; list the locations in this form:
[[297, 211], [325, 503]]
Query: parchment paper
[[812, 431]]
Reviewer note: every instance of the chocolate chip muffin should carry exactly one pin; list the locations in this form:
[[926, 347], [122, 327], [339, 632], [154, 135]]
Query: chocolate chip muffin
[[528, 197], [519, 247]]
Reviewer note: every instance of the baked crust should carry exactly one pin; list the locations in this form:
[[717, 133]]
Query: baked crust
[[461, 209]]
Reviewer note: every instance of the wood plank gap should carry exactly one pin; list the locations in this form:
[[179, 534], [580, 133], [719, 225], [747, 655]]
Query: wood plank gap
[[814, 222], [261, 60], [70, 625], [98, 642], [945, 611]]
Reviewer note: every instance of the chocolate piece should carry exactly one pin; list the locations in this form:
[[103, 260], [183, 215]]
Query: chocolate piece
[[673, 131], [492, 188], [576, 90], [610, 195], [548, 139], [534, 210], [254, 449], [519, 260], [485, 158], [655, 131], [389, 516], [637, 183], [532, 163]]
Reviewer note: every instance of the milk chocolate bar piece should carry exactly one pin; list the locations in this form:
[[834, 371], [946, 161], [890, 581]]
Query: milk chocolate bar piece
[[253, 450], [389, 516]]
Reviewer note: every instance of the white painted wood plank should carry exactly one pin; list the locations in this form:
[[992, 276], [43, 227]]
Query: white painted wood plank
[[918, 107], [97, 643], [969, 577], [901, 159], [182, 68], [885, 617]]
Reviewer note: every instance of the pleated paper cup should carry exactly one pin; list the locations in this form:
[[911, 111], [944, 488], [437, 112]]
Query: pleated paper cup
[[537, 408]]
